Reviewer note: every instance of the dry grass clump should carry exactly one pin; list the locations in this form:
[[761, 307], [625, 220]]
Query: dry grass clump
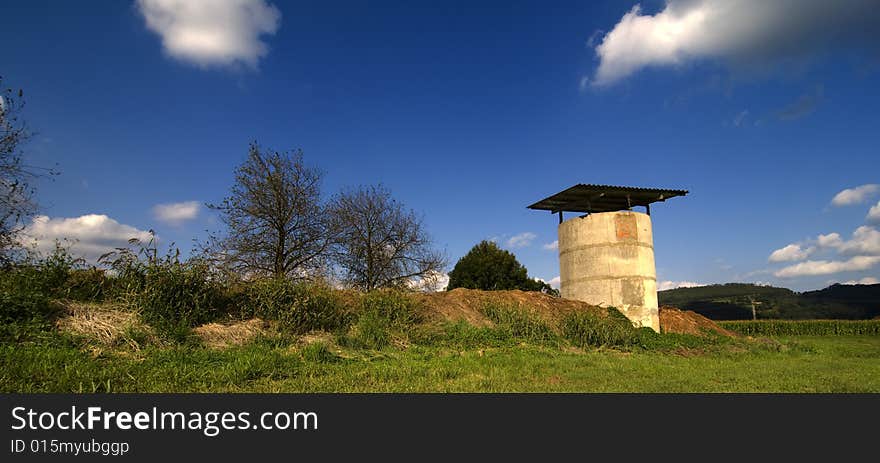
[[220, 336], [103, 324]]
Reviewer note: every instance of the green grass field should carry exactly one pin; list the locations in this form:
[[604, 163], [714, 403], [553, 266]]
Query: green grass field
[[166, 326], [792, 364]]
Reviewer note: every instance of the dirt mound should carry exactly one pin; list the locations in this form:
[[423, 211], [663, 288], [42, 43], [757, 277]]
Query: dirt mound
[[673, 320], [219, 336], [466, 304]]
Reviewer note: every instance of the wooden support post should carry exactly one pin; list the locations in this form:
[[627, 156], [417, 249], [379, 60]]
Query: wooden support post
[[648, 209], [560, 217]]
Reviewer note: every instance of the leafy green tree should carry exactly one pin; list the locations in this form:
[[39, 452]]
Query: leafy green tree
[[488, 267]]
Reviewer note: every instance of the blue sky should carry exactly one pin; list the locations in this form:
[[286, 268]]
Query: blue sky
[[468, 112]]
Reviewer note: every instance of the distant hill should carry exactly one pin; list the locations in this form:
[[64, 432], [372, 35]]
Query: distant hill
[[733, 301]]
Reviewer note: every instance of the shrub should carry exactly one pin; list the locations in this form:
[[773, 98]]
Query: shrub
[[22, 313], [54, 270], [24, 303], [56, 275], [22, 306], [85, 285], [297, 307], [178, 295], [588, 328], [27, 287]]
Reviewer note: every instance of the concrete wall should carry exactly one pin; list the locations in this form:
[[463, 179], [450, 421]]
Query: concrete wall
[[607, 259]]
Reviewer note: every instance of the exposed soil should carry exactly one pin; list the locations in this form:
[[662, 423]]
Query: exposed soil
[[466, 304], [673, 320]]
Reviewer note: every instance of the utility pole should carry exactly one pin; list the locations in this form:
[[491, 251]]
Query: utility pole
[[754, 303]]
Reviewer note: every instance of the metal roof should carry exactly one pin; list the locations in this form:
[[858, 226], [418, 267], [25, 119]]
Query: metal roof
[[603, 198]]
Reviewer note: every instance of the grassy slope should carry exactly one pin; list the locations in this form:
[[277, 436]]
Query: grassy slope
[[802, 364]]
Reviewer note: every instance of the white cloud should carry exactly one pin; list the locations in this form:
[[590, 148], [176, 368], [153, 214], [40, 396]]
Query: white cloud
[[177, 213], [664, 285], [831, 240], [863, 281], [855, 195], [553, 282], [736, 31], [860, 252], [89, 236], [551, 246], [432, 282], [789, 253], [211, 32], [874, 214], [825, 267], [865, 240], [522, 240]]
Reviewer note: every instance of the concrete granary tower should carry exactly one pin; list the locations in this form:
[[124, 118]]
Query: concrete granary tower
[[606, 255]]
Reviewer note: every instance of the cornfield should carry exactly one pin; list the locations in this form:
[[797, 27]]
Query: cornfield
[[804, 327]]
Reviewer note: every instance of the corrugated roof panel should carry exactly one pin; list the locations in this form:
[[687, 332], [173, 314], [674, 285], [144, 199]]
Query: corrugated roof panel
[[603, 198]]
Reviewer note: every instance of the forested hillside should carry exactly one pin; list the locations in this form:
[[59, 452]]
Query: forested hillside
[[735, 301]]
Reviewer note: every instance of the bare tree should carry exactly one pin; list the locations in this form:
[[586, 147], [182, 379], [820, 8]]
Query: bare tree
[[274, 217], [16, 177], [380, 243]]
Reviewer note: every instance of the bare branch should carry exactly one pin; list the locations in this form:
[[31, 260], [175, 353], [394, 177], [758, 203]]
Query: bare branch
[[274, 218], [16, 177], [380, 243]]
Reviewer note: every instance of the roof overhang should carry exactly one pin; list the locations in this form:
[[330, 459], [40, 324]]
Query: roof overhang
[[603, 198]]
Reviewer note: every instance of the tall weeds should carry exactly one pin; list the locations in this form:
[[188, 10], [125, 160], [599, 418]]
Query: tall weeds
[[517, 322], [297, 307], [593, 329], [170, 294], [382, 317]]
